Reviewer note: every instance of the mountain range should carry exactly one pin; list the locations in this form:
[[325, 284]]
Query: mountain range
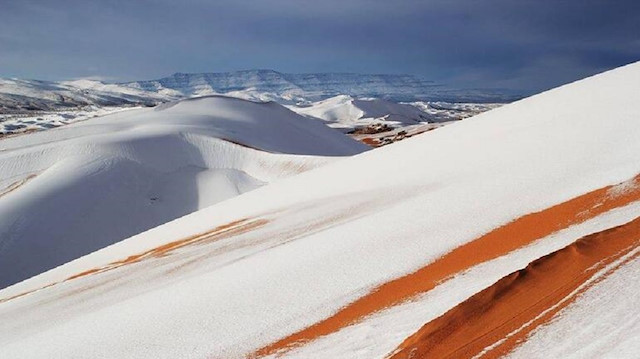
[[346, 101], [313, 87], [20, 96]]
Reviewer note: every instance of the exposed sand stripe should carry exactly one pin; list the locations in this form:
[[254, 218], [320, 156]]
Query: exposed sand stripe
[[355, 209], [17, 184], [223, 231], [373, 142], [220, 232], [243, 145], [494, 244], [493, 322]]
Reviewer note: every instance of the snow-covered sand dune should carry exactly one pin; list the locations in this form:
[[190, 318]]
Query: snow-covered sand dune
[[69, 191], [347, 112], [364, 257]]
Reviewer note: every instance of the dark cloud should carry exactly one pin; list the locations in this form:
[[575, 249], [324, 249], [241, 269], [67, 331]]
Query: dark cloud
[[496, 43]]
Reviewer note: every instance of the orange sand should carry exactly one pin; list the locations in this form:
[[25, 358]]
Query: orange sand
[[494, 244], [224, 231], [17, 184], [371, 142], [533, 294]]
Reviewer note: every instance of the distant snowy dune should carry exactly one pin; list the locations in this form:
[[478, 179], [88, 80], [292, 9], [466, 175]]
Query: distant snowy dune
[[72, 190], [347, 112], [379, 122]]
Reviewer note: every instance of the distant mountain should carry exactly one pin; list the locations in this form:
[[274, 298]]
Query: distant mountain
[[26, 96], [283, 87], [33, 105]]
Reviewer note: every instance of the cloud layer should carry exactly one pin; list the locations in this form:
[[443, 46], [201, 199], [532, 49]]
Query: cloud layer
[[524, 44]]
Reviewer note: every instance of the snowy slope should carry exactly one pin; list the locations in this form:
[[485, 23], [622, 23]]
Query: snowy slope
[[353, 258], [72, 190]]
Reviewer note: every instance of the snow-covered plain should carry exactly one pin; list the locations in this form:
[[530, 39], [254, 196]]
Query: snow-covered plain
[[246, 272], [21, 123]]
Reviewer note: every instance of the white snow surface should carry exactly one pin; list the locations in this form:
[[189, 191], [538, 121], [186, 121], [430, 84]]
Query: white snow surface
[[333, 233], [20, 123], [72, 190]]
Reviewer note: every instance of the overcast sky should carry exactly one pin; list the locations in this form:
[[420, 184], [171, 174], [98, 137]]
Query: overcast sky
[[519, 44]]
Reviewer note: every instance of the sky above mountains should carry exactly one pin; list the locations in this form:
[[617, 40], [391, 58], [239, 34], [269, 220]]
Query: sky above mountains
[[526, 44]]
